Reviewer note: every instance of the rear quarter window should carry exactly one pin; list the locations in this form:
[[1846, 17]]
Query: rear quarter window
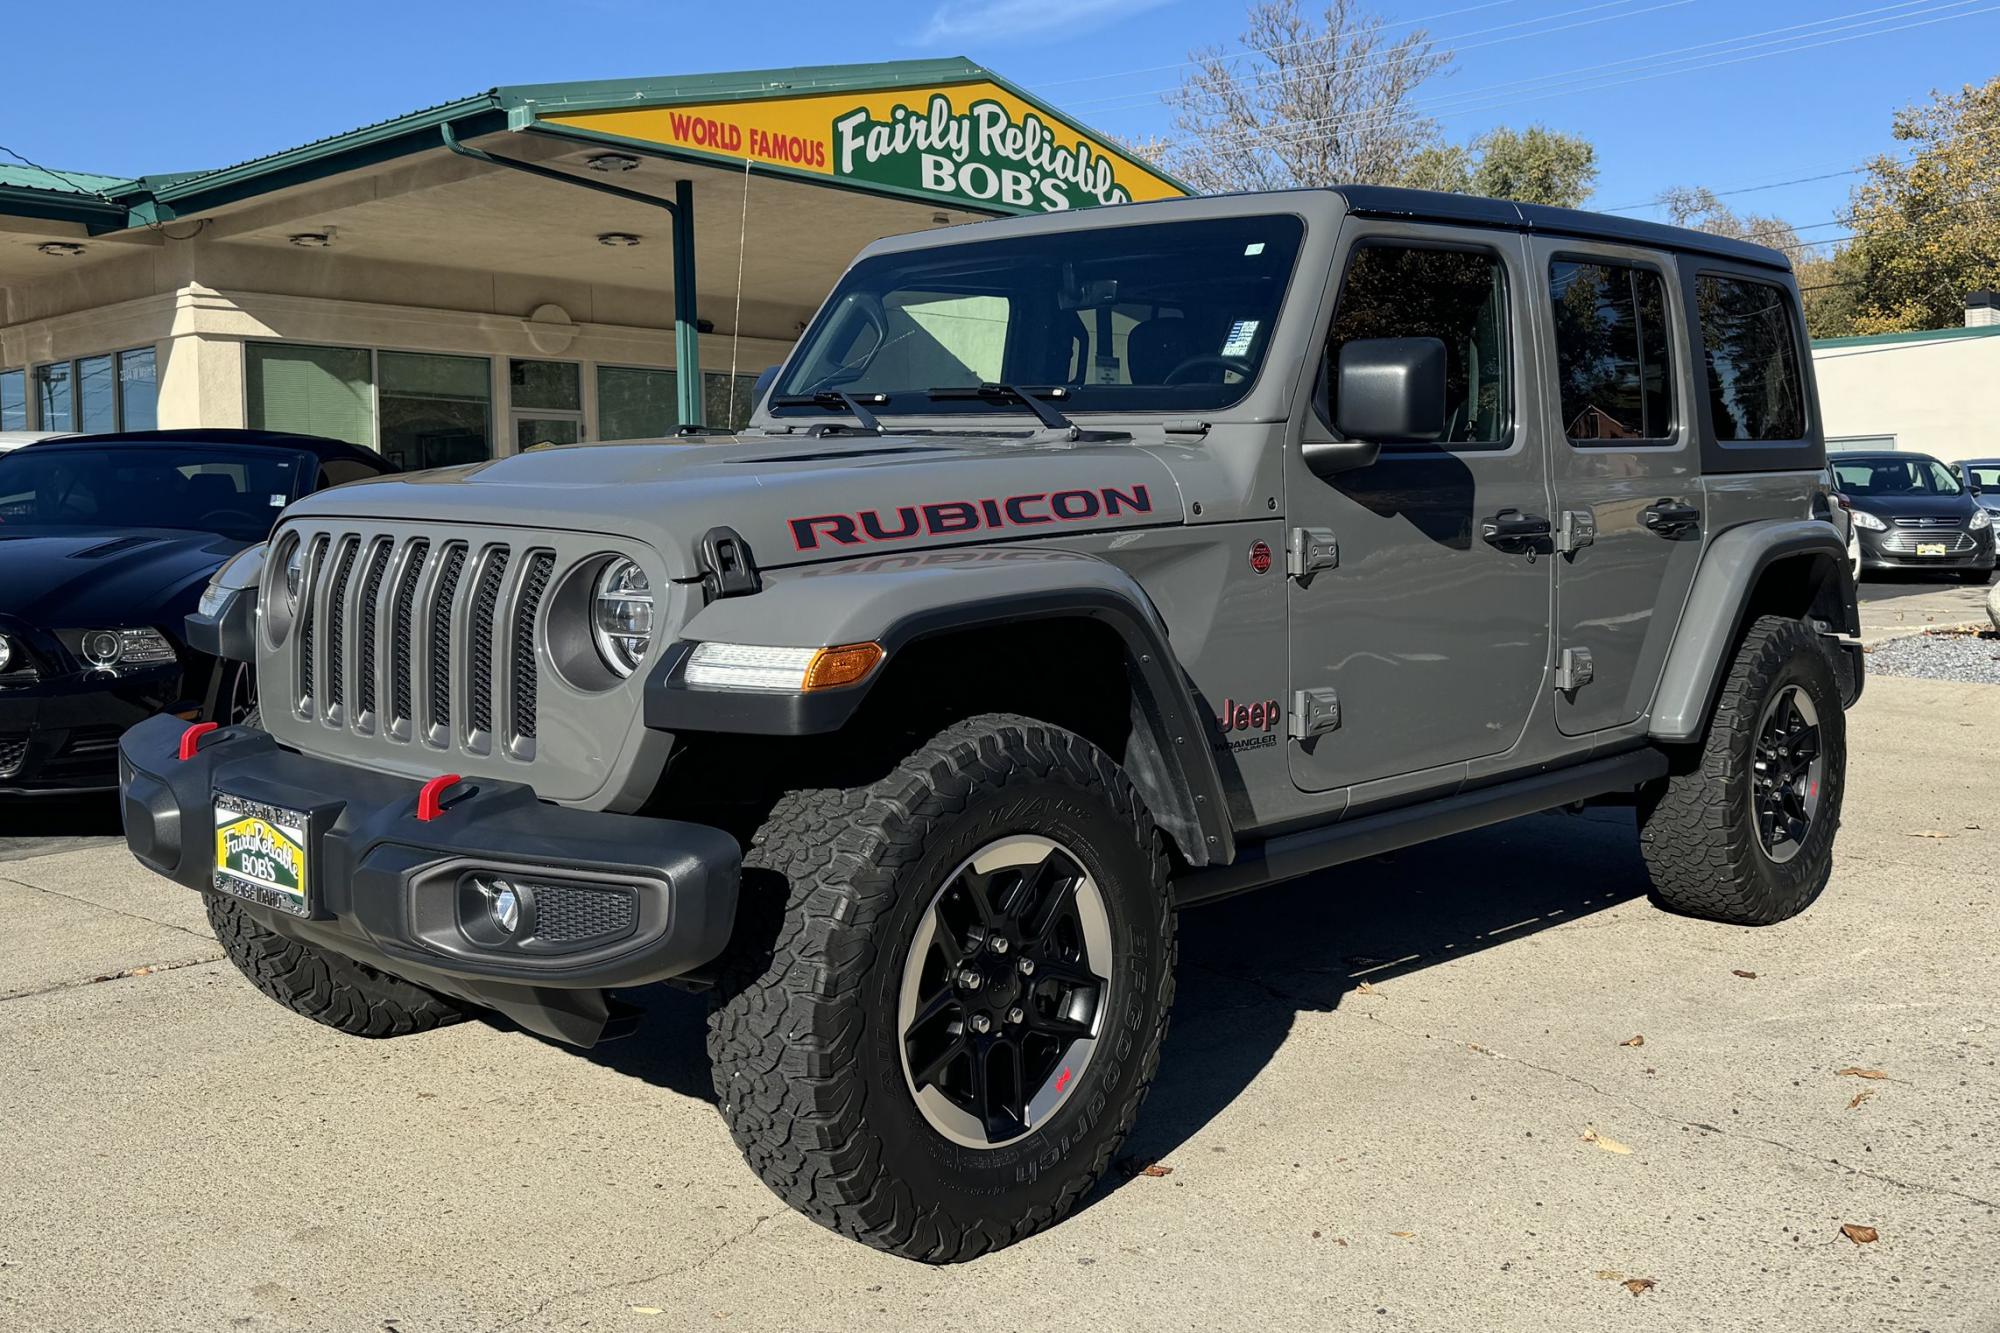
[[1756, 388]]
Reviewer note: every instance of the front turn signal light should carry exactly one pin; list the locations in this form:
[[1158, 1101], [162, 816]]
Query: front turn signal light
[[834, 667]]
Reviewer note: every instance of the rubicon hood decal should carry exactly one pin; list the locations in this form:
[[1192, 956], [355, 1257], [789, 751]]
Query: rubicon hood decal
[[945, 518]]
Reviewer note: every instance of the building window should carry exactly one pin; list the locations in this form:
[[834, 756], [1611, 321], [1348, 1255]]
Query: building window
[[1754, 387], [726, 399], [328, 391], [437, 411], [55, 408], [97, 393], [138, 390], [634, 404], [13, 400], [1611, 352], [547, 402]]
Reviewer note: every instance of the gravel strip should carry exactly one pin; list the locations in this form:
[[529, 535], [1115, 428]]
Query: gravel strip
[[1941, 655]]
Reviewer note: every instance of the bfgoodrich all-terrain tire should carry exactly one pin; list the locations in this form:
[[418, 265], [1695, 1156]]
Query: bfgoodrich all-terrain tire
[[947, 991], [325, 987], [1745, 833]]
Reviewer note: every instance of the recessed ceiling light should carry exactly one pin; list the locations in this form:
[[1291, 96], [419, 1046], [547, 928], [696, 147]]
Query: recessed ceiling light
[[612, 162], [620, 239], [312, 240], [62, 249]]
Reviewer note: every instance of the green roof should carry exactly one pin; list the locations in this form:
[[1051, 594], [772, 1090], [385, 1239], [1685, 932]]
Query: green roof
[[160, 198], [1911, 336]]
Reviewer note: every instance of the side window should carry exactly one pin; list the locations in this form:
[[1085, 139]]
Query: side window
[[1755, 390], [1457, 296], [1612, 361]]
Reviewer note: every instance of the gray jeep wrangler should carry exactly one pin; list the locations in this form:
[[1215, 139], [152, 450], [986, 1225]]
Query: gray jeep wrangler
[[1074, 568]]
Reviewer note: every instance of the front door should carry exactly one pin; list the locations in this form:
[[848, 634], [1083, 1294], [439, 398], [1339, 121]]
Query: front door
[[1624, 456], [1432, 637]]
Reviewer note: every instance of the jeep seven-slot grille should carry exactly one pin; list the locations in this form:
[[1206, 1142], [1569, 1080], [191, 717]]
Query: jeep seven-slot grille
[[461, 623]]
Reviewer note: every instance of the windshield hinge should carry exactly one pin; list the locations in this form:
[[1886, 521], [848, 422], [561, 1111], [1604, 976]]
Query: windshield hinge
[[1185, 426], [726, 565]]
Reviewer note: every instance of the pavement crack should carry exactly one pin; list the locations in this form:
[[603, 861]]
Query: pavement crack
[[104, 907], [624, 1283], [146, 970]]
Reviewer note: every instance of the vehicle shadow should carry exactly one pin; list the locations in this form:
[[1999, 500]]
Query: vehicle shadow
[[1250, 964], [92, 815]]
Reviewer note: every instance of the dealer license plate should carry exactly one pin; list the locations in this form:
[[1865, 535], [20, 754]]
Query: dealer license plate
[[260, 854], [1932, 548]]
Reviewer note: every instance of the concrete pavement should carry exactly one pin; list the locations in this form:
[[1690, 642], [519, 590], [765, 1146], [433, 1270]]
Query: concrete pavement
[[1393, 1098], [1898, 603]]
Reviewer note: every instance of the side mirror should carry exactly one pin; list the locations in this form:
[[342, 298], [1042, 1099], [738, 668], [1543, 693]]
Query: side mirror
[[1386, 391]]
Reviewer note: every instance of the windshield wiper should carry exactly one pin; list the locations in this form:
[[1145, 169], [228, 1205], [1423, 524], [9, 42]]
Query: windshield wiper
[[1029, 396], [834, 400]]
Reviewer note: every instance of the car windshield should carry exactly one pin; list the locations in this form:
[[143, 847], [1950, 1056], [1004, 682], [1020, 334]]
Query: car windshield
[[1167, 317], [1986, 476], [1896, 476], [232, 492]]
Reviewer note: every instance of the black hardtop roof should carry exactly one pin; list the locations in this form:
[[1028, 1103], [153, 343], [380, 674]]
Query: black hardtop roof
[[1476, 210], [1880, 456], [319, 446]]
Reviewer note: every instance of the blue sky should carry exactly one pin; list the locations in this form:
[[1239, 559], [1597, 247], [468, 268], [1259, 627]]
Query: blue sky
[[148, 88]]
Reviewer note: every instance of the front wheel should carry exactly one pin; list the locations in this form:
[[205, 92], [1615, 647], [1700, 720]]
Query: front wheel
[[1745, 833], [948, 990]]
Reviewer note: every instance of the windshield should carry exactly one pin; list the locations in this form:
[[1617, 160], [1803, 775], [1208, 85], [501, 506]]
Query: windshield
[[1170, 317], [202, 488], [1896, 476], [1986, 476]]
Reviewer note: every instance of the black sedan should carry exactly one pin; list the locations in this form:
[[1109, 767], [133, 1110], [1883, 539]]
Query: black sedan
[[1912, 512], [106, 542]]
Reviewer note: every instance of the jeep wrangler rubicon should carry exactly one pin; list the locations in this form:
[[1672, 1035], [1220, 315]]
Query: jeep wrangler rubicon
[[1073, 569]]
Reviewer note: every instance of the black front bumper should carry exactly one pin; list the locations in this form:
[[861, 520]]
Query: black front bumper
[[60, 734], [1896, 550], [658, 897]]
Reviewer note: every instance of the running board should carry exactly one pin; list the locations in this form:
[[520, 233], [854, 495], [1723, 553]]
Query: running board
[[1293, 854]]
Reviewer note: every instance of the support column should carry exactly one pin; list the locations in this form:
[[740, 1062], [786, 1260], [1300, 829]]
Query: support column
[[687, 331]]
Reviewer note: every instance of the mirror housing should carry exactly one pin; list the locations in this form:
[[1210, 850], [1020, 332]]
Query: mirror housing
[[1391, 390]]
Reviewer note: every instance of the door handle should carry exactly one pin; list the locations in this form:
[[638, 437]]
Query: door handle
[[1669, 517], [1512, 530]]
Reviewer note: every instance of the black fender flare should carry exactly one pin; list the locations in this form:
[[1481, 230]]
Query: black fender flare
[[1718, 607], [899, 601]]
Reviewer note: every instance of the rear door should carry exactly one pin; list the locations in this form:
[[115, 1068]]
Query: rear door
[[1624, 457], [1432, 639]]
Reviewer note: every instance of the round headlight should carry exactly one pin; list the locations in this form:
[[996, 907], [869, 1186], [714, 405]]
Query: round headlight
[[295, 576], [622, 615], [102, 648]]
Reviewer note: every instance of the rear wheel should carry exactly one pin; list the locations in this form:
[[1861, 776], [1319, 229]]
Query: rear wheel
[[1745, 833], [947, 991]]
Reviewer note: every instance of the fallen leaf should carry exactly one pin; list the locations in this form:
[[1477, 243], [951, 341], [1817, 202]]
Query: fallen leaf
[[1155, 1170], [1403, 1235], [1476, 1048], [1860, 1097], [1928, 833], [1610, 1275], [1609, 1145], [1739, 972], [1860, 1073], [1340, 1241], [1315, 1235], [140, 972], [1857, 1233], [1639, 1286], [1635, 1039], [645, 1309], [1363, 988]]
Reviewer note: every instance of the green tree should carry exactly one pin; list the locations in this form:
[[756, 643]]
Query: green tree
[[1927, 227], [1531, 166]]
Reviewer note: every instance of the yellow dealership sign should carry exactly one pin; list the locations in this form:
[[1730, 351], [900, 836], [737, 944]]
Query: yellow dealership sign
[[973, 143]]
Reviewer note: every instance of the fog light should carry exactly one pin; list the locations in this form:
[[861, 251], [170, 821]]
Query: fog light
[[503, 904]]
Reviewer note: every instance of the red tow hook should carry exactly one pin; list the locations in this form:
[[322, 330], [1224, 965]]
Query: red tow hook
[[191, 738], [430, 799]]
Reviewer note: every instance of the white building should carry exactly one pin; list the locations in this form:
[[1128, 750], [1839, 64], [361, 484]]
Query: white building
[[1932, 392]]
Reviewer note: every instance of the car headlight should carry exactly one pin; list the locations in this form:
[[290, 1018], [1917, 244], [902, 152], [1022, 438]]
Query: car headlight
[[6, 652], [112, 649], [295, 577], [750, 666], [622, 615], [1864, 519], [238, 572], [1980, 519]]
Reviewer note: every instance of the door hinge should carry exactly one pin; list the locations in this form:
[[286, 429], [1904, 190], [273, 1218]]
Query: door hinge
[[1574, 671], [1578, 530], [1314, 713], [1311, 550]]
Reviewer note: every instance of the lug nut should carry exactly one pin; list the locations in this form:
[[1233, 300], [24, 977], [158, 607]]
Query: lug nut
[[1027, 966], [969, 979], [1015, 1015], [981, 1023], [998, 944]]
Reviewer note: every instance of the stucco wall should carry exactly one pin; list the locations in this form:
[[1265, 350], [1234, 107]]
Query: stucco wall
[[1938, 397]]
